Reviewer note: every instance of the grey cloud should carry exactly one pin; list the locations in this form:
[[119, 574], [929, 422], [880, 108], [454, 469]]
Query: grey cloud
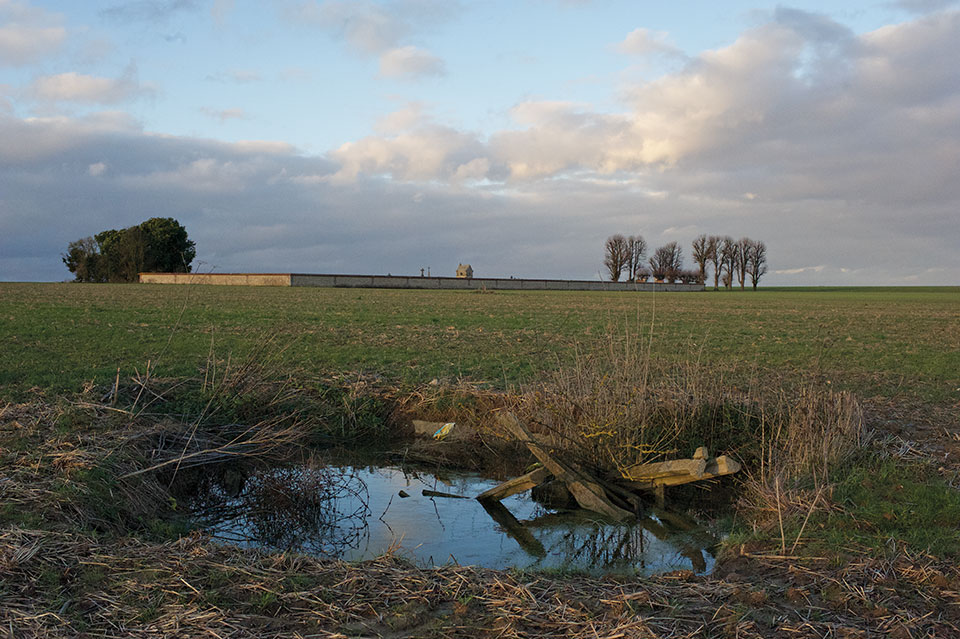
[[265, 207], [813, 26]]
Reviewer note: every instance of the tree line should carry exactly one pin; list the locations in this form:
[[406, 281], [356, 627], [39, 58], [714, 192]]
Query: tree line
[[159, 245], [730, 260]]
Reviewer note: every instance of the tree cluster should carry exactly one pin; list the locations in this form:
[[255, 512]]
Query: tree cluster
[[731, 260], [625, 254], [158, 245]]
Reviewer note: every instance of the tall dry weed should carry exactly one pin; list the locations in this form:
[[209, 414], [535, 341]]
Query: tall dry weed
[[613, 404]]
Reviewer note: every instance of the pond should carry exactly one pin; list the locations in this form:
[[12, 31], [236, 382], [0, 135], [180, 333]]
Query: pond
[[356, 513]]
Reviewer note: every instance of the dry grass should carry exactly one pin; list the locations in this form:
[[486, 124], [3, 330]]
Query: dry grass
[[56, 584], [616, 405]]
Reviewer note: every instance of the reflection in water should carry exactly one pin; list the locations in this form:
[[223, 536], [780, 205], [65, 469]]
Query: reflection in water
[[321, 511], [354, 513]]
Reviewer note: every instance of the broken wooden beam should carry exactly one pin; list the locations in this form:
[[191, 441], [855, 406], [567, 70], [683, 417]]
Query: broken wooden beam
[[589, 494], [516, 485]]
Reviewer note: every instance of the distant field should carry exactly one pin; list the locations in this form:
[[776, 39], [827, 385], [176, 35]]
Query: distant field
[[881, 342]]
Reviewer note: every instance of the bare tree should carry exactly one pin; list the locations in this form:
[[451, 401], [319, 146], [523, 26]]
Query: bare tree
[[728, 260], [742, 250], [703, 247], [757, 262], [615, 256], [715, 244], [667, 262], [636, 256]]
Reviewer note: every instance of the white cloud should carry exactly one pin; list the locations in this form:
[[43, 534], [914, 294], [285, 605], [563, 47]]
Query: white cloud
[[28, 34], [643, 41], [426, 153], [96, 169], [404, 119], [89, 89], [410, 61]]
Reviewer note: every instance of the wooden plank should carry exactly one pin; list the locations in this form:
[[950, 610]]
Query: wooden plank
[[517, 485], [717, 467], [654, 470], [589, 495]]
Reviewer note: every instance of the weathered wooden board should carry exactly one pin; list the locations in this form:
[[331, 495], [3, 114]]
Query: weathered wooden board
[[716, 467], [655, 470], [517, 484]]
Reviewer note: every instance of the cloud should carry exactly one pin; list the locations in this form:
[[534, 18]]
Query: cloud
[[423, 154], [404, 119], [28, 34], [96, 169], [88, 89], [923, 6], [220, 10], [839, 150], [238, 76], [369, 28], [147, 10], [643, 41], [379, 30], [223, 115], [410, 61]]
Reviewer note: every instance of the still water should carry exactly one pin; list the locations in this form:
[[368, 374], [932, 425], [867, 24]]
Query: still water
[[355, 513]]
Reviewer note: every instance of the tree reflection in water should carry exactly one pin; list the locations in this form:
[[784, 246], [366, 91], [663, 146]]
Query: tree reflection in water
[[319, 510], [621, 547]]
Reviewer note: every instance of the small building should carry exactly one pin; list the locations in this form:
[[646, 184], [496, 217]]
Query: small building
[[465, 271]]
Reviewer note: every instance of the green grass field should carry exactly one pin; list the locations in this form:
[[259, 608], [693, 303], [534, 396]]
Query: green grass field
[[888, 343]]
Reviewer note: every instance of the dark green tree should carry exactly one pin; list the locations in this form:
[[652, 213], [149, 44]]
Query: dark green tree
[[84, 260], [158, 245], [167, 249]]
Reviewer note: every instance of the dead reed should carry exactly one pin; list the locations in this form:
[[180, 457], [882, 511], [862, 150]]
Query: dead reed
[[614, 405]]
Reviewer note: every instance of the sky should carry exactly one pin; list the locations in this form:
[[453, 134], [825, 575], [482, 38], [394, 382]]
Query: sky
[[333, 136]]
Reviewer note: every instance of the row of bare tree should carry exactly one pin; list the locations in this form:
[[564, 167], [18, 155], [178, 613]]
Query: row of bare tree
[[731, 260]]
